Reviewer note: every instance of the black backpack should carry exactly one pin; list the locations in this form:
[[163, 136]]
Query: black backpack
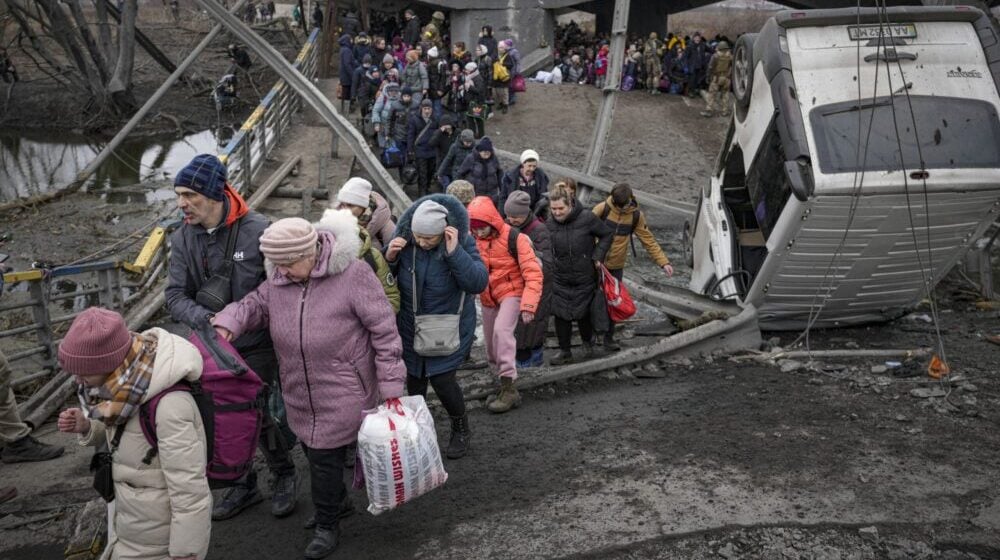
[[635, 223]]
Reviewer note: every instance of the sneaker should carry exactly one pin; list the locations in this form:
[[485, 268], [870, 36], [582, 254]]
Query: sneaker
[[234, 500], [29, 450], [523, 364], [284, 490], [564, 357], [323, 543]]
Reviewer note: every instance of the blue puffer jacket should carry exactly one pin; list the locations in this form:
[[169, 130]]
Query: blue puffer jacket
[[442, 280]]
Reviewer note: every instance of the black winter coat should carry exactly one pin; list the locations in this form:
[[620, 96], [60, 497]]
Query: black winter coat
[[419, 135], [454, 159], [577, 244], [437, 78], [536, 189], [485, 175], [411, 35], [532, 335]]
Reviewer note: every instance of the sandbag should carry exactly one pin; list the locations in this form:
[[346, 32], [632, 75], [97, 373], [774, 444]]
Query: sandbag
[[399, 453]]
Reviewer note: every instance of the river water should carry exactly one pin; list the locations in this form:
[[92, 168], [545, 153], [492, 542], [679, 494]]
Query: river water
[[32, 164]]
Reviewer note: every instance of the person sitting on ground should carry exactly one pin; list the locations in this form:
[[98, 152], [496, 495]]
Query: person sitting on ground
[[530, 335], [163, 509], [457, 153], [620, 212], [482, 169], [513, 292], [576, 72], [527, 177], [580, 243], [438, 271], [369, 207], [340, 352]]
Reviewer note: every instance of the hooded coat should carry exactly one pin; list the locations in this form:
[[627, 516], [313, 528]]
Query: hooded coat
[[512, 181], [620, 220], [163, 509], [484, 174], [415, 76], [532, 335], [442, 282], [336, 340], [577, 244], [508, 277], [347, 64]]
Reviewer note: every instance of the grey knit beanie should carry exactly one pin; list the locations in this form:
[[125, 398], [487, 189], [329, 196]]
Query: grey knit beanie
[[518, 204], [430, 218]]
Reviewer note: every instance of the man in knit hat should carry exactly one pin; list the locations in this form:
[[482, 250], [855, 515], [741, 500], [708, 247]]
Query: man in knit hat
[[447, 170], [15, 435], [205, 275], [526, 177]]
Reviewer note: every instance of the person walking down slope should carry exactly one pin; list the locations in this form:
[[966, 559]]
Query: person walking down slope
[[527, 177], [620, 212], [339, 349], [482, 169], [580, 243], [438, 271], [530, 335], [163, 508], [513, 292], [369, 207]]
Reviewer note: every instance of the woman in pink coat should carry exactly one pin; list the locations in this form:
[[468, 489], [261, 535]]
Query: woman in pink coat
[[338, 349]]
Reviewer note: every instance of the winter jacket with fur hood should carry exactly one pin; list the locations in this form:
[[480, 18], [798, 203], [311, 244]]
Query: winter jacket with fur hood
[[442, 280], [336, 340], [339, 221], [380, 226], [163, 509], [508, 277]]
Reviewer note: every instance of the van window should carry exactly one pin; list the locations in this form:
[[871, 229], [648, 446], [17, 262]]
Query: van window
[[766, 182], [954, 133]]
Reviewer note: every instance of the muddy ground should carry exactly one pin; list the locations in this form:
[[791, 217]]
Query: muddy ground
[[39, 103], [719, 457]]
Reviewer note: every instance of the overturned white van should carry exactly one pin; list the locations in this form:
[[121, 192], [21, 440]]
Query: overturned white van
[[862, 160]]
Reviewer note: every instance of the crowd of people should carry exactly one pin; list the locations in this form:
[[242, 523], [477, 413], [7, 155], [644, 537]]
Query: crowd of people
[[326, 314]]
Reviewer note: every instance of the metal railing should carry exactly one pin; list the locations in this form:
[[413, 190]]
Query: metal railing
[[102, 283], [247, 151]]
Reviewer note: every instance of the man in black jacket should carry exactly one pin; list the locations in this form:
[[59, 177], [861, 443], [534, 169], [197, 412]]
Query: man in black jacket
[[411, 34], [420, 137], [213, 211]]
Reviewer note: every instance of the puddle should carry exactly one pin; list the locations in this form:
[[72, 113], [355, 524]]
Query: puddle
[[32, 164]]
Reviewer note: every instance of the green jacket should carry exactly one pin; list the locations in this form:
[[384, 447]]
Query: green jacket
[[374, 258]]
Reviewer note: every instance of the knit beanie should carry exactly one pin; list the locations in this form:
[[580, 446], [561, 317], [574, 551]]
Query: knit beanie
[[205, 175], [97, 343], [484, 144], [433, 52], [467, 135], [471, 66], [288, 240], [356, 191], [518, 204], [426, 103], [528, 155], [430, 218], [463, 190]]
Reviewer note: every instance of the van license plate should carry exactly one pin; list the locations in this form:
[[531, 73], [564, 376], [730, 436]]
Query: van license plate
[[897, 30]]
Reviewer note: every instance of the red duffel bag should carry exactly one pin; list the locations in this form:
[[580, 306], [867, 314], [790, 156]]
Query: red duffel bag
[[620, 304]]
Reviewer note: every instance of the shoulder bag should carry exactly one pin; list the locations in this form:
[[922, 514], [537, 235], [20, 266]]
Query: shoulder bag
[[434, 335], [217, 292]]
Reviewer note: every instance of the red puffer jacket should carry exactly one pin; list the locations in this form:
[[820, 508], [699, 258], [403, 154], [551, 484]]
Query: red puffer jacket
[[508, 278]]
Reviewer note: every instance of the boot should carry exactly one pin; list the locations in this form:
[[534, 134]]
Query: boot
[[236, 499], [324, 542], [588, 350], [346, 510], [461, 437], [610, 344], [283, 494], [29, 450], [564, 357], [507, 399]]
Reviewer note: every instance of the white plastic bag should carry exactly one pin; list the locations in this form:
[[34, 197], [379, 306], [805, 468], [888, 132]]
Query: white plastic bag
[[399, 453]]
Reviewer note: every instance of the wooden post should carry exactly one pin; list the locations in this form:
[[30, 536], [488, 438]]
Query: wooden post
[[39, 292]]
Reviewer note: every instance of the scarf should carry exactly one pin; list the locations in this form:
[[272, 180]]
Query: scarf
[[469, 79], [119, 398]]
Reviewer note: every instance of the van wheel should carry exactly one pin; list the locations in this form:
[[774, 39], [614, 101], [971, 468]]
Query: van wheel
[[743, 70], [687, 242]]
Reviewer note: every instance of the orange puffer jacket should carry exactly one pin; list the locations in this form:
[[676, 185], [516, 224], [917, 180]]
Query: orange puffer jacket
[[508, 278]]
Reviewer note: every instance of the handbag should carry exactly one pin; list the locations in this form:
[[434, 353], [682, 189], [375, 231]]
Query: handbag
[[434, 335], [518, 84], [620, 304], [100, 465], [393, 156], [217, 292]]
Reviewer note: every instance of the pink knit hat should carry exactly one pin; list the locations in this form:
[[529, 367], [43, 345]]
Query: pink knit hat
[[97, 343], [288, 240]]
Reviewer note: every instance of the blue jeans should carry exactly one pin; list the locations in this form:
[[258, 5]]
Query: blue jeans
[[438, 108]]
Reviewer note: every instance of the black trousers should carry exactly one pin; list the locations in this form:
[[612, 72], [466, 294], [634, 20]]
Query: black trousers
[[426, 180], [273, 443], [564, 331], [446, 387], [326, 475]]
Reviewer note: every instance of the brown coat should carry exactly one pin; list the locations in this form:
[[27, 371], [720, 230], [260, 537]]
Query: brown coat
[[620, 221]]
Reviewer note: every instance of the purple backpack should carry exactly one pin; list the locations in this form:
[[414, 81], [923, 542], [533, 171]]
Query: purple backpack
[[231, 400]]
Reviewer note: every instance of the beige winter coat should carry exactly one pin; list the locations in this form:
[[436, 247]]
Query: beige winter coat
[[163, 509]]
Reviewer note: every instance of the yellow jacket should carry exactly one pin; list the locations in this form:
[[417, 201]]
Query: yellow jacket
[[620, 220]]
